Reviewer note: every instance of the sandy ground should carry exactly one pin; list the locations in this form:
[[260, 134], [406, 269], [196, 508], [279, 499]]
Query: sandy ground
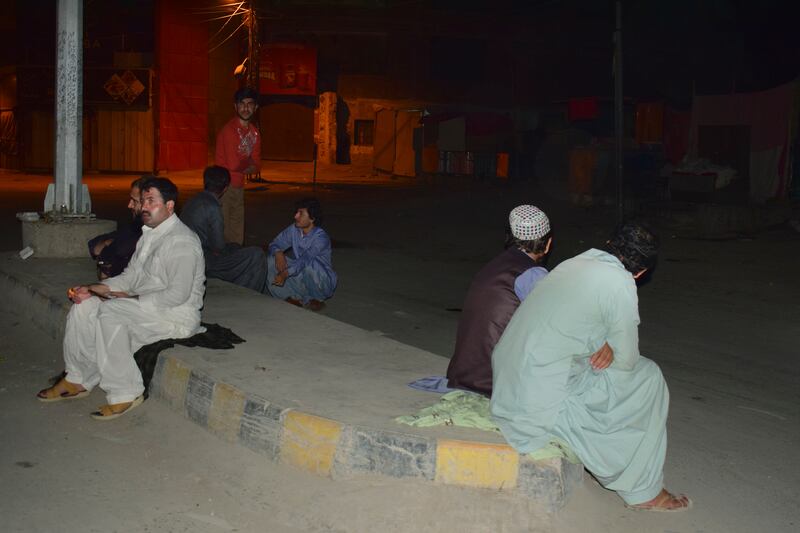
[[719, 317]]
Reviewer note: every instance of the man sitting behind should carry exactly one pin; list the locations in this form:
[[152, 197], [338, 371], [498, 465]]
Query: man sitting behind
[[300, 268], [226, 261], [545, 386], [113, 251], [158, 296], [495, 294]]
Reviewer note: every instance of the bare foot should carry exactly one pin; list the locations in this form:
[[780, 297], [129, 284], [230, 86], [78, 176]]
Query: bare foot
[[315, 305], [665, 502], [294, 301]]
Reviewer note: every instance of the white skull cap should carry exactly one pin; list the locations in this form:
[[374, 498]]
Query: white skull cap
[[528, 223]]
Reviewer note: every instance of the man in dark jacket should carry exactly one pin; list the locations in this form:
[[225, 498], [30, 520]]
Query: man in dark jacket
[[245, 266], [113, 251], [495, 294]]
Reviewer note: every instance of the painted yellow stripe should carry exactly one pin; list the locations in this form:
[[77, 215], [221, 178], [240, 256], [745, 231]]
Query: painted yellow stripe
[[226, 410], [174, 381], [472, 464], [309, 442]]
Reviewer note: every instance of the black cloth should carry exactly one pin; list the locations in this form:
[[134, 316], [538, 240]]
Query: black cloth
[[115, 257], [488, 307], [215, 337]]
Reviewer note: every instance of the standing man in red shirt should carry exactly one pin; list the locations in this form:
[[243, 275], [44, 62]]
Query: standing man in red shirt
[[238, 150]]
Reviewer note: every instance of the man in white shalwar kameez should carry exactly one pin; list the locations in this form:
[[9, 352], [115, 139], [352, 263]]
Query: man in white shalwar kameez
[[545, 386], [158, 296]]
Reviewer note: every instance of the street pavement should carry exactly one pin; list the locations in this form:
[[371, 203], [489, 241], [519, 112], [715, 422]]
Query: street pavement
[[719, 317]]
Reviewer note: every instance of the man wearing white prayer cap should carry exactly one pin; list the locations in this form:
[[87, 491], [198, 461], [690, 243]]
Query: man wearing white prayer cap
[[494, 295]]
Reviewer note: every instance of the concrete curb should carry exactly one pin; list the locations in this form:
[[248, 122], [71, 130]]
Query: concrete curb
[[330, 448], [319, 445]]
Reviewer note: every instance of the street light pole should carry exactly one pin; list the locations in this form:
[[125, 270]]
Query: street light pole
[[67, 194], [619, 118]]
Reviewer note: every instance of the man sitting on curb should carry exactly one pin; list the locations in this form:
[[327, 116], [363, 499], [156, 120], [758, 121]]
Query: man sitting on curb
[[545, 386], [158, 296], [226, 261], [495, 294], [300, 268], [113, 251]]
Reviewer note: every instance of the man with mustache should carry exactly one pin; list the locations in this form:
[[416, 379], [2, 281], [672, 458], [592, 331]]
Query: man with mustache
[[159, 296], [238, 150]]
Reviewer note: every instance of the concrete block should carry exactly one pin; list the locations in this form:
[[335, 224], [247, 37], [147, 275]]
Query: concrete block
[[199, 393], [260, 427], [549, 482], [170, 381], [225, 414], [476, 464], [310, 442], [63, 239], [363, 450]]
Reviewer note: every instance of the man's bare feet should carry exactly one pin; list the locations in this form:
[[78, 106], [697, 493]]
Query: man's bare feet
[[62, 390], [315, 305], [664, 502]]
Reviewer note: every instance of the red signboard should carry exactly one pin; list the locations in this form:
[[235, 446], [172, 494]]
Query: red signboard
[[288, 69]]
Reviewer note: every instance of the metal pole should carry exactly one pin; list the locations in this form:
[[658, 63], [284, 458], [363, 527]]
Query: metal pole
[[314, 176], [619, 119], [68, 167]]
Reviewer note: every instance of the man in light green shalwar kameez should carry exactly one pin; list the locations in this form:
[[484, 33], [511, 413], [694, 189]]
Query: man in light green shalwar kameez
[[545, 386]]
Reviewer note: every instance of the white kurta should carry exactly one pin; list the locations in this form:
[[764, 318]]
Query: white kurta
[[544, 387], [167, 273]]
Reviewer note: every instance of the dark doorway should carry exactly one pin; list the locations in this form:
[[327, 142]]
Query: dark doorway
[[287, 132]]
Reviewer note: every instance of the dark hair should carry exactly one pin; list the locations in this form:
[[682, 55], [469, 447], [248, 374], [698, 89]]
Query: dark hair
[[534, 246], [245, 92], [216, 179], [141, 179], [313, 207], [167, 189], [635, 244]]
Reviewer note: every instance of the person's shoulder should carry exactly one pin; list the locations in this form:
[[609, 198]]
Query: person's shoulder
[[227, 126]]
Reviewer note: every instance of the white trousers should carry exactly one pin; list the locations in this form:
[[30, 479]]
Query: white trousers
[[100, 339]]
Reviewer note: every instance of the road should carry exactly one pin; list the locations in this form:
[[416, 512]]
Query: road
[[719, 317]]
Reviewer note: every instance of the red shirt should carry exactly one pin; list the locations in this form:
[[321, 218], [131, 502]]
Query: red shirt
[[238, 147]]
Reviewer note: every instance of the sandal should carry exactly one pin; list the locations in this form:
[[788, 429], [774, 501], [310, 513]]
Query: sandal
[[657, 504], [112, 411], [62, 390]]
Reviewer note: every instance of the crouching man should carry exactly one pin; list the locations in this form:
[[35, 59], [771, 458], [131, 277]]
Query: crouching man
[[545, 385], [158, 296], [299, 262]]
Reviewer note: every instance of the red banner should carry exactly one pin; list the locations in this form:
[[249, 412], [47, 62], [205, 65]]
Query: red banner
[[288, 69]]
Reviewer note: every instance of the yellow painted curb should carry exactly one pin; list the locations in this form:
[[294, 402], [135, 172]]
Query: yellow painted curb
[[174, 381], [309, 442], [472, 464], [225, 413]]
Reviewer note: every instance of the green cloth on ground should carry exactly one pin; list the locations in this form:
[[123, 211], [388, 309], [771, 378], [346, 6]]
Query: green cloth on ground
[[467, 409]]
